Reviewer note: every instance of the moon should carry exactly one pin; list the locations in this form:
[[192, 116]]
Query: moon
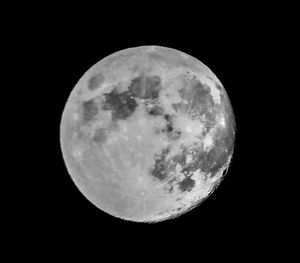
[[147, 134]]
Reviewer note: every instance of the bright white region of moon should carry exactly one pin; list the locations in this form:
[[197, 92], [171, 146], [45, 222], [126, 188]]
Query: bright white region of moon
[[147, 133]]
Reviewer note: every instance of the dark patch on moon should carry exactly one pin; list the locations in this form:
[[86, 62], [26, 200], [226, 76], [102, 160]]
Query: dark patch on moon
[[155, 111], [152, 87], [145, 87], [136, 87], [160, 167], [199, 99], [95, 81], [165, 168], [187, 184], [122, 104], [99, 135], [208, 162], [90, 110], [169, 129]]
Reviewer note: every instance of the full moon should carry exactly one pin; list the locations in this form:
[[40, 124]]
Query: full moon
[[147, 133]]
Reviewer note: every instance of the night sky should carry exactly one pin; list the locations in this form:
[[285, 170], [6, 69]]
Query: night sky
[[235, 44]]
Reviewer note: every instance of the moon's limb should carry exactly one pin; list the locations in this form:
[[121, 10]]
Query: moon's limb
[[114, 176]]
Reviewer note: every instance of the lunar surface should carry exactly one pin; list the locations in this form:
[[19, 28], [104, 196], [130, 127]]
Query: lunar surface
[[147, 133]]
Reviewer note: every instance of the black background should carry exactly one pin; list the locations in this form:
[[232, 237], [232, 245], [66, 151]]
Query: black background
[[235, 44]]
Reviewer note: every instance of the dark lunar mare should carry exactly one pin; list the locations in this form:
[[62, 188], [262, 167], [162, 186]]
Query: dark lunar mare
[[145, 87], [199, 99], [187, 184], [122, 104], [160, 167], [90, 110], [152, 87], [207, 162], [95, 81], [163, 169], [99, 136], [136, 87]]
